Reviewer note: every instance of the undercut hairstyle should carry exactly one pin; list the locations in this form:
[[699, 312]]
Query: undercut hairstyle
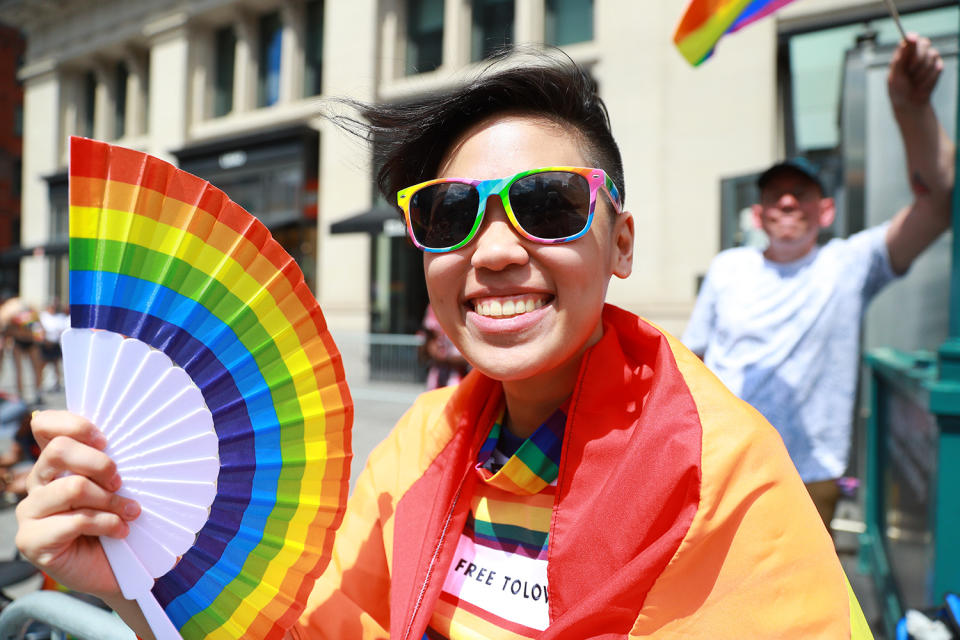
[[412, 139]]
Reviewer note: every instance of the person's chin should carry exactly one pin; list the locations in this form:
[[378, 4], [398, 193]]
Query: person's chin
[[518, 354], [521, 362], [788, 241]]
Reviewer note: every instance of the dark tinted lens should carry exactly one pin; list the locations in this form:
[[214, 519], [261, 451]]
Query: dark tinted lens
[[443, 214], [552, 204]]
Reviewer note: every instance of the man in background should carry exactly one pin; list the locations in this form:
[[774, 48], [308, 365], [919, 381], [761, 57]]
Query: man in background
[[781, 327]]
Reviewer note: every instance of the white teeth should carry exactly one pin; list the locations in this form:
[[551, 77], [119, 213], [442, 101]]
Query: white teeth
[[497, 309]]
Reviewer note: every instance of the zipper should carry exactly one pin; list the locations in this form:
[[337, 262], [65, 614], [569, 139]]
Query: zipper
[[433, 559]]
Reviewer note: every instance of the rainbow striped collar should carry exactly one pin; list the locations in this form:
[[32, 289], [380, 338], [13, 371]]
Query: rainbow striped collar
[[534, 465]]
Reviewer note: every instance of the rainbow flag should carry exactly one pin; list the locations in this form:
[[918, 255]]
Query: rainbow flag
[[706, 21]]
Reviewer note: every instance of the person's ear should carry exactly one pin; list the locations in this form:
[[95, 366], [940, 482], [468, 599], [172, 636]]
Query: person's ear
[[623, 245], [757, 210], [828, 211]]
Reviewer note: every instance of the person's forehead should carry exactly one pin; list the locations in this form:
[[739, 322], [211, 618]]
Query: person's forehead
[[509, 143]]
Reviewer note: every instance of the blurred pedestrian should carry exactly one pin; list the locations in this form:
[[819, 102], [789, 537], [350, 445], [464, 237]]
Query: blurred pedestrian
[[21, 324], [781, 327], [17, 461], [54, 320], [445, 364]]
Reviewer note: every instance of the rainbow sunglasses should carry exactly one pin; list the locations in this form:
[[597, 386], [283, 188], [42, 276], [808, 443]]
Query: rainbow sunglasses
[[548, 205]]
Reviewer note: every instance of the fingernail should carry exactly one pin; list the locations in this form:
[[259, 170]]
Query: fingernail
[[115, 482], [131, 510], [99, 441]]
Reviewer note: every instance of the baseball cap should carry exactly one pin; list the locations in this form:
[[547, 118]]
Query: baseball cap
[[798, 164]]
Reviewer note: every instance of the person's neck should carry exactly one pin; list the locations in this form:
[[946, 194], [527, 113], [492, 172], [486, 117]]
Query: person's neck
[[530, 402], [785, 254]]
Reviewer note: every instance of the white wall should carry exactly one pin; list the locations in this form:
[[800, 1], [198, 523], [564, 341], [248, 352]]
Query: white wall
[[343, 274], [680, 130], [41, 133], [169, 88]]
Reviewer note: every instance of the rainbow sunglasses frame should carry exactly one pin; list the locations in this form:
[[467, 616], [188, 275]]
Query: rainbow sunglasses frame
[[597, 179]]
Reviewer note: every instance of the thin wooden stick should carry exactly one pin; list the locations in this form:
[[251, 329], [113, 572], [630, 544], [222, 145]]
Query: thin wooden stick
[[892, 8]]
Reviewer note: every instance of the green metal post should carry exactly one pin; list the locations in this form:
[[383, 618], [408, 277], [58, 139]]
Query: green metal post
[[945, 404], [940, 391], [872, 558], [946, 573], [951, 348], [954, 338], [873, 505]]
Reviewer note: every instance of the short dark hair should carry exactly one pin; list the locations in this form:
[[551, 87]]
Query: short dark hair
[[411, 139]]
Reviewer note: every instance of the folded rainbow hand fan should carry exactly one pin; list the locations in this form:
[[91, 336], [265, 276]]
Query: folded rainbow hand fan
[[201, 354]]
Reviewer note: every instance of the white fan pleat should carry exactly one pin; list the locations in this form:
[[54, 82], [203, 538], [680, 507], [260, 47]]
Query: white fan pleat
[[156, 558], [159, 433], [129, 358], [103, 350], [173, 394], [184, 491], [195, 468], [176, 427], [151, 369], [190, 448], [190, 516], [76, 353], [178, 538]]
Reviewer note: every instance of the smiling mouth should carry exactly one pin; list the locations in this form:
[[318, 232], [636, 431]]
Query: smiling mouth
[[506, 308]]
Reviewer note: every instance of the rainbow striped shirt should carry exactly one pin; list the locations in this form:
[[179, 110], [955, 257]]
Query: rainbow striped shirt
[[497, 584]]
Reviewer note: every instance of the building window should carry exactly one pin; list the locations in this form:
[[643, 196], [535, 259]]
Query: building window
[[424, 35], [17, 186], [120, 103], [268, 67], [313, 55], [145, 118], [60, 222], [492, 27], [568, 21], [815, 60], [225, 51], [89, 104]]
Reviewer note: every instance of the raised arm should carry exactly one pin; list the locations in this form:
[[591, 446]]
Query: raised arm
[[913, 74]]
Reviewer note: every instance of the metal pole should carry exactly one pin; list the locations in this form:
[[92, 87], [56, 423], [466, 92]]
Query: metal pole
[[954, 338], [945, 404]]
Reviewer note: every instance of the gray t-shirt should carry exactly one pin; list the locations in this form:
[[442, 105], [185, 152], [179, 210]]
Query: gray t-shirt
[[785, 337]]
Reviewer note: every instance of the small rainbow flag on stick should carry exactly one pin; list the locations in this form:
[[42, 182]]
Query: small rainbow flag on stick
[[706, 21]]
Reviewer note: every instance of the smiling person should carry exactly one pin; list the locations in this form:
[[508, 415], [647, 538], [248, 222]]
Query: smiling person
[[781, 327], [588, 478]]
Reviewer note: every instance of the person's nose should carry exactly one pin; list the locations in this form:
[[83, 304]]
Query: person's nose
[[787, 201], [497, 245]]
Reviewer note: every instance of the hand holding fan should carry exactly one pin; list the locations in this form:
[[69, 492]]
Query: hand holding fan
[[196, 340], [160, 434]]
